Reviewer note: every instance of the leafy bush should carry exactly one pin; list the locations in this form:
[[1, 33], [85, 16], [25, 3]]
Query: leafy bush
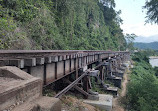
[[143, 87], [7, 28]]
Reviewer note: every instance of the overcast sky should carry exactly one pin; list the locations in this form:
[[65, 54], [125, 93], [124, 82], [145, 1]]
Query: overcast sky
[[134, 18]]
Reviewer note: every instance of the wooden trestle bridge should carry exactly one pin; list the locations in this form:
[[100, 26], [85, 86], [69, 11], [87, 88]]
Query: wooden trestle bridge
[[55, 65]]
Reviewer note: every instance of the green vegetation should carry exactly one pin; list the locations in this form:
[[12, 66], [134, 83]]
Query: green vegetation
[[130, 44], [143, 86], [152, 12], [152, 45], [60, 24]]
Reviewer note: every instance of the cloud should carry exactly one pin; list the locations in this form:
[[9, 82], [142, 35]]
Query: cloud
[[141, 29]]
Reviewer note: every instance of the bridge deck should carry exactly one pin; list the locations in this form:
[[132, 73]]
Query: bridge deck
[[52, 65]]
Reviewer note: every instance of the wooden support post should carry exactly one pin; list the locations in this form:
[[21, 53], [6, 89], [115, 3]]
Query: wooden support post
[[64, 67], [44, 76], [106, 73], [64, 59], [101, 73], [89, 83], [85, 83], [76, 67], [70, 66], [55, 70]]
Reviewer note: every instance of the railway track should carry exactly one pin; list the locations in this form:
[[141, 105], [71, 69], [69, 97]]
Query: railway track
[[19, 54], [52, 65]]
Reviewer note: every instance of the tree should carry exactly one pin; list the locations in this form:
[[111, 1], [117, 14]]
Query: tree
[[152, 11], [108, 3], [61, 24], [130, 38]]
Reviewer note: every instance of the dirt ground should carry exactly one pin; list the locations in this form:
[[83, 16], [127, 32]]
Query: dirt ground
[[116, 101], [74, 104]]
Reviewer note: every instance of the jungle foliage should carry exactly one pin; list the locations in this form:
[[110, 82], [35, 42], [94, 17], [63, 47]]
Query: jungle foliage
[[152, 11], [143, 86], [60, 24]]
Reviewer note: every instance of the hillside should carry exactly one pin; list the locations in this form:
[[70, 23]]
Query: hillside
[[152, 45], [60, 24], [149, 39]]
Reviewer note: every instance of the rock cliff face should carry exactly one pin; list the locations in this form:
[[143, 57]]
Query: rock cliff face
[[60, 24]]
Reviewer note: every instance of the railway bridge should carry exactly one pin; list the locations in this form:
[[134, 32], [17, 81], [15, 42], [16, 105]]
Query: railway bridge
[[24, 73]]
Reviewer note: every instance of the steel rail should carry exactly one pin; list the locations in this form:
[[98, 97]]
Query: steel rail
[[55, 51], [20, 54]]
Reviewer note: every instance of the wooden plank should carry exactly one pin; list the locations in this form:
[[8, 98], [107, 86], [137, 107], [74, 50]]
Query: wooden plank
[[17, 62], [55, 58], [40, 61], [30, 62], [48, 60]]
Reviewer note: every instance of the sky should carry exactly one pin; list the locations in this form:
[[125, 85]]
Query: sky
[[134, 18]]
